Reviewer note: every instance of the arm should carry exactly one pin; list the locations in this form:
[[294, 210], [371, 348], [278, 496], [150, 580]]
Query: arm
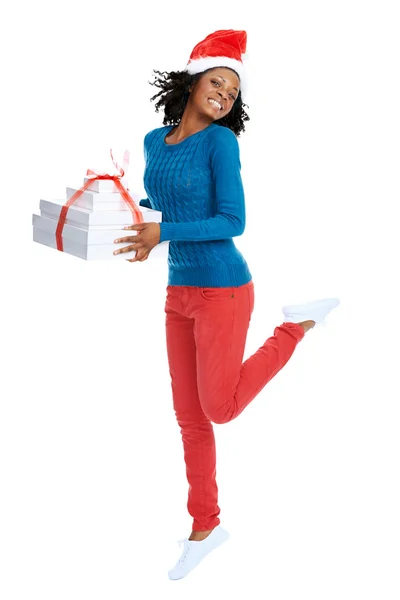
[[230, 219]]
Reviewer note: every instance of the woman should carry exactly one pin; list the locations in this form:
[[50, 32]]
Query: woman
[[193, 176]]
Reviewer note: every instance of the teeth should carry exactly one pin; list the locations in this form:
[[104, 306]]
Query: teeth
[[215, 103]]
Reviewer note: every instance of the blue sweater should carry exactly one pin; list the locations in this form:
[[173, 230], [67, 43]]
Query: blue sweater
[[197, 186]]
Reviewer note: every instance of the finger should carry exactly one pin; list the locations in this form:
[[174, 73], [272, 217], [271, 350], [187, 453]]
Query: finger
[[135, 227], [125, 249], [135, 259], [140, 257], [131, 238]]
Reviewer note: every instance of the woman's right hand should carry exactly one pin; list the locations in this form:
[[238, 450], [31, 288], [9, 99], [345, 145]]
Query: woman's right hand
[[147, 237]]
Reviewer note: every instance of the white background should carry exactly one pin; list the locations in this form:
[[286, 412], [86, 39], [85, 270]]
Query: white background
[[92, 474]]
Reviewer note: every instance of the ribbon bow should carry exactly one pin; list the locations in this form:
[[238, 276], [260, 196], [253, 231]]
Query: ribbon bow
[[92, 175]]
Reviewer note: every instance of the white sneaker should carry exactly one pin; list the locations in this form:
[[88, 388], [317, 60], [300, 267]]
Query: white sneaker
[[194, 552], [310, 311]]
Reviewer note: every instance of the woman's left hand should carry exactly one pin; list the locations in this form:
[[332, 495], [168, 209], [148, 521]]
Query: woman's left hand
[[147, 237]]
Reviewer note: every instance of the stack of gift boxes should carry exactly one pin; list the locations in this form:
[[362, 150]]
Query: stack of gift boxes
[[93, 221]]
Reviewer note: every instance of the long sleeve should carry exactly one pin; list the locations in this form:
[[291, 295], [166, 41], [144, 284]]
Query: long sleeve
[[223, 153]]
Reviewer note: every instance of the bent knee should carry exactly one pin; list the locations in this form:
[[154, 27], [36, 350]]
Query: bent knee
[[219, 417]]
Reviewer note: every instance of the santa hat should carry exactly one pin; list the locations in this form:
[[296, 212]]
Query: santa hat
[[223, 48]]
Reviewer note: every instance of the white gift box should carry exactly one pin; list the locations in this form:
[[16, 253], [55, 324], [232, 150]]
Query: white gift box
[[95, 251], [103, 185], [101, 219], [88, 244], [90, 235], [101, 200], [81, 236]]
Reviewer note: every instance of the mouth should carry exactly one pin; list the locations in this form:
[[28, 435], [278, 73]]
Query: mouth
[[217, 105]]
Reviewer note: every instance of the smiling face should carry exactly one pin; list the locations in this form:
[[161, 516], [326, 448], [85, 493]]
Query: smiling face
[[214, 94]]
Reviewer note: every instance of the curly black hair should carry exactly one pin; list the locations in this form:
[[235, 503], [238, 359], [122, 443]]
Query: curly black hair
[[174, 95]]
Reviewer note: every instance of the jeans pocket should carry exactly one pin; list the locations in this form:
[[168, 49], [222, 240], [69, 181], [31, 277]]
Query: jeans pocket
[[212, 294]]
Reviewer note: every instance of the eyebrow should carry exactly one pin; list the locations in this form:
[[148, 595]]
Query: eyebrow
[[224, 80]]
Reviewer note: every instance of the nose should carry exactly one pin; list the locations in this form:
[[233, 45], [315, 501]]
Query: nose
[[223, 95]]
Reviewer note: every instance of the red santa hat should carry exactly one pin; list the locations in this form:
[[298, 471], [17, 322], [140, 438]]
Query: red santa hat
[[223, 48]]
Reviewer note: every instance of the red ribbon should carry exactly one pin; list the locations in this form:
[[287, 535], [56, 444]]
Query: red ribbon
[[136, 212]]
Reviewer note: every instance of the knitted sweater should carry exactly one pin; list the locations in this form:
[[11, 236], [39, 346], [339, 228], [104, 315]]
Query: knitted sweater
[[197, 186]]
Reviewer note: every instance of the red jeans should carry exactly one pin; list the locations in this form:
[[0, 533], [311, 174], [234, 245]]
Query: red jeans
[[206, 329]]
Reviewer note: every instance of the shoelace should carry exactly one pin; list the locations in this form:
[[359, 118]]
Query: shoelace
[[185, 543]]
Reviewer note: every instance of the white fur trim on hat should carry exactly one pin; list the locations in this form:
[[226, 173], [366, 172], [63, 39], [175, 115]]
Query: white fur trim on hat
[[202, 64]]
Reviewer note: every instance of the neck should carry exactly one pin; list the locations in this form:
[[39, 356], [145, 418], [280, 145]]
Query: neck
[[191, 123]]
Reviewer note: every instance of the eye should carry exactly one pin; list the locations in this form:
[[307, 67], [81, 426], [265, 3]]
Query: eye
[[218, 83]]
